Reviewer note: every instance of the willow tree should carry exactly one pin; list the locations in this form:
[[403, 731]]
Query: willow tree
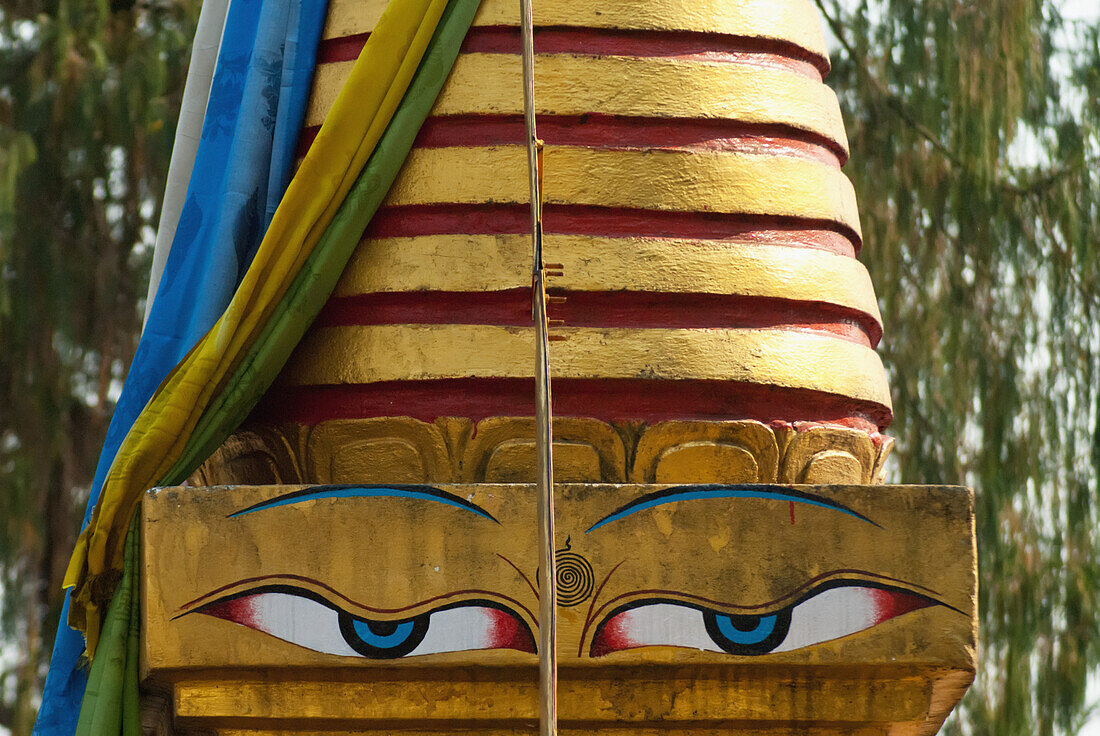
[[975, 134], [88, 99]]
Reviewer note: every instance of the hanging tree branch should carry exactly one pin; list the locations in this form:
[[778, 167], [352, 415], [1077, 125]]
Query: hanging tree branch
[[891, 100], [896, 106]]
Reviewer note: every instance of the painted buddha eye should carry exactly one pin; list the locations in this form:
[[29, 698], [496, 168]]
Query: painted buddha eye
[[830, 611], [309, 620]]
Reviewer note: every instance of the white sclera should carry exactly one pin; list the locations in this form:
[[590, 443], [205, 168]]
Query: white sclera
[[307, 623], [830, 614]]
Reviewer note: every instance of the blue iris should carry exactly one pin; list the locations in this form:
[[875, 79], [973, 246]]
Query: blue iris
[[383, 634], [383, 639], [748, 635], [746, 630]]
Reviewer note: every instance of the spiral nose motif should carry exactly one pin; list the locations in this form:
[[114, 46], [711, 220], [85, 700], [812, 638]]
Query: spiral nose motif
[[574, 577]]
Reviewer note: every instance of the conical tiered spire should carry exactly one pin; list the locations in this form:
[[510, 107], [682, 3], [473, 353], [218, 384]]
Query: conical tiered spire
[[708, 236]]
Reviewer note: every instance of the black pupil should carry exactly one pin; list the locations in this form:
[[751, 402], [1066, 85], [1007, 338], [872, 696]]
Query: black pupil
[[748, 624], [745, 623], [382, 628]]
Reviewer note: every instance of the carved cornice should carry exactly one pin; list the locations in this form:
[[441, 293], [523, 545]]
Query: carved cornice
[[502, 450]]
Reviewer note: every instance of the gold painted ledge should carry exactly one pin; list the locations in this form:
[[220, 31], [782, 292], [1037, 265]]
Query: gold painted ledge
[[765, 609], [502, 450]]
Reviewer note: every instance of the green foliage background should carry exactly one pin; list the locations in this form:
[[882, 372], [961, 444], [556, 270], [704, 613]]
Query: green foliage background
[[89, 94], [975, 131]]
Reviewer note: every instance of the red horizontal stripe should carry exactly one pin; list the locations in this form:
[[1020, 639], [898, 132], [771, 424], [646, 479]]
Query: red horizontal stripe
[[496, 219], [607, 131], [607, 400], [341, 48], [623, 309], [611, 132], [615, 42], [306, 138]]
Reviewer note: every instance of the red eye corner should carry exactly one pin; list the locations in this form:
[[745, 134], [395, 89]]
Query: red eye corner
[[612, 637], [889, 603], [507, 632], [243, 611]]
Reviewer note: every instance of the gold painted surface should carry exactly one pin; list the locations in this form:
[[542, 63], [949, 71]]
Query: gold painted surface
[[592, 699], [728, 728], [571, 84], [383, 552], [706, 452], [795, 21], [503, 450], [400, 449], [683, 181], [792, 359], [458, 450], [456, 262], [825, 455], [411, 554]]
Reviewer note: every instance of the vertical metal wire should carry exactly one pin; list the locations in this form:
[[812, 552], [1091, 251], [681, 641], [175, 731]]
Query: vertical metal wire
[[548, 655]]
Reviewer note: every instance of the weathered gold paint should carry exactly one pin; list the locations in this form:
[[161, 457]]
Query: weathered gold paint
[[458, 450], [384, 551], [495, 262], [402, 449], [334, 355], [670, 180], [601, 702], [754, 90], [629, 86], [503, 450], [666, 729], [688, 452], [391, 553], [917, 728], [794, 21]]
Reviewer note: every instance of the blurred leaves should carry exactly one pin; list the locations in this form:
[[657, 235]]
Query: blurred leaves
[[89, 92], [975, 132]]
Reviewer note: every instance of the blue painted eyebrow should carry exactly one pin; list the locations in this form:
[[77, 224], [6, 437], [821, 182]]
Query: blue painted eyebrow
[[423, 493], [689, 493]]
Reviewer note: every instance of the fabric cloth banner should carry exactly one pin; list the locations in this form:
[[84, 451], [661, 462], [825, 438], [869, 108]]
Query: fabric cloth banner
[[110, 703], [179, 318], [151, 450], [185, 146]]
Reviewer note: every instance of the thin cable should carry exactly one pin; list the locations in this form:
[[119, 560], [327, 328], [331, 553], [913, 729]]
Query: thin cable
[[548, 654]]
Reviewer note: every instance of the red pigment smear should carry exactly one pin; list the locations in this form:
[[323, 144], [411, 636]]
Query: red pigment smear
[[891, 603], [623, 309], [604, 399], [695, 45], [612, 637], [508, 633], [499, 219], [238, 610]]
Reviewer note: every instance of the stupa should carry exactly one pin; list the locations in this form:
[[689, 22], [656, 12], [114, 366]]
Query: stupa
[[363, 549]]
